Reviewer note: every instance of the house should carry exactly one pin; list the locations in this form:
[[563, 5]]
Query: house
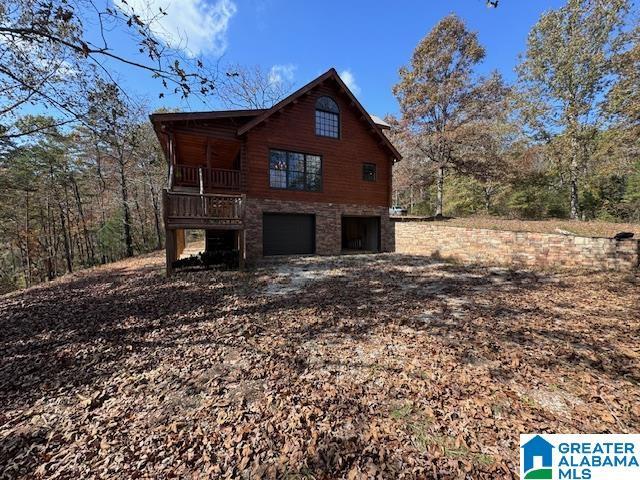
[[310, 175]]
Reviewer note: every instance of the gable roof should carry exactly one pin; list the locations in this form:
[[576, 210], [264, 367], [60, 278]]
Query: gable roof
[[329, 74]]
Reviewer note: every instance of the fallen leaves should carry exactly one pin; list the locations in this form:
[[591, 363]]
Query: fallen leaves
[[593, 228], [383, 366]]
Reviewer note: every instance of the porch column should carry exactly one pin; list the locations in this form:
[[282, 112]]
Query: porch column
[[171, 250], [181, 241], [241, 248]]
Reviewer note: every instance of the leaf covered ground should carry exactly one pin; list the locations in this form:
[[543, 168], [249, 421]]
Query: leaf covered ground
[[386, 366], [593, 228]]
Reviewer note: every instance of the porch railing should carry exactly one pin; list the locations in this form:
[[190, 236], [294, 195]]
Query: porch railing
[[193, 210], [208, 178]]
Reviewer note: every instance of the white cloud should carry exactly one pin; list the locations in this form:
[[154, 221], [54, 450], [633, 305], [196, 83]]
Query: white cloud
[[282, 73], [42, 58], [195, 26], [348, 78]]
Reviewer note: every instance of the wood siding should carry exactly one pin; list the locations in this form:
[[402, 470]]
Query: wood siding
[[293, 128], [215, 143]]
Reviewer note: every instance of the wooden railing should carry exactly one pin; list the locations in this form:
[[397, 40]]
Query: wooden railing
[[222, 178], [211, 178], [192, 210], [186, 175]]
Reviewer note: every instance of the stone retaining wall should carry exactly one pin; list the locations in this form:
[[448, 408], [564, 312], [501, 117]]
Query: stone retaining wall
[[523, 249]]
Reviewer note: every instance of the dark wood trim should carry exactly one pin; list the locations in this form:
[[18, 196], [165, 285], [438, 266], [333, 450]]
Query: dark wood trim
[[186, 116], [204, 226], [204, 132]]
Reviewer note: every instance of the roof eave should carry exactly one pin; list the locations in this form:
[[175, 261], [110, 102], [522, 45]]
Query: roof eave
[[193, 116]]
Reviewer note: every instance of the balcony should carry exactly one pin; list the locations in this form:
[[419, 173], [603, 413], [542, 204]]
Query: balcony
[[194, 210], [210, 179]]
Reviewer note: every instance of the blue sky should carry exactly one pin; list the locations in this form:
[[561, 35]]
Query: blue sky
[[366, 41]]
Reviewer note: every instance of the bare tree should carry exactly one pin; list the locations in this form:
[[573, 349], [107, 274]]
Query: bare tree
[[117, 136], [252, 87], [48, 57]]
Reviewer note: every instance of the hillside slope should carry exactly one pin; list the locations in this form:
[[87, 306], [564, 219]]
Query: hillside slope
[[325, 367]]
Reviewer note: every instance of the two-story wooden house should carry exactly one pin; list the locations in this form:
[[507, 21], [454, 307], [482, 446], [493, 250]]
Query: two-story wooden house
[[310, 175]]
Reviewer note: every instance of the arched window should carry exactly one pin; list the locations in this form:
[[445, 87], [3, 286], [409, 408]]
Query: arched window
[[327, 118]]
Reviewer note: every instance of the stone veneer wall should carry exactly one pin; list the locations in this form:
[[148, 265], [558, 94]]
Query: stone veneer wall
[[525, 249], [328, 223]]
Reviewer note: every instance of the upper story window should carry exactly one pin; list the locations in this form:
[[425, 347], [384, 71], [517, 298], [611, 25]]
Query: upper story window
[[327, 118], [295, 171], [369, 172]]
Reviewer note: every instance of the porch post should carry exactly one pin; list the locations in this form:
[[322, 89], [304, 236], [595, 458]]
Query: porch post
[[241, 249], [170, 246]]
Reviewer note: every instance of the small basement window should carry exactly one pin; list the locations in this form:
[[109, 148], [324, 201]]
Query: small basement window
[[369, 172]]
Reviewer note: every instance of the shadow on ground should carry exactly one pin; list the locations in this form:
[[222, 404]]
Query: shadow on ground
[[357, 362]]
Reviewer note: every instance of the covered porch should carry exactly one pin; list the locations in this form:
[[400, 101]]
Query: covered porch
[[203, 163]]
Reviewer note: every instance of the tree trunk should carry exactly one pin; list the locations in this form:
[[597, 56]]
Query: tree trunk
[[69, 224], [87, 238], [46, 244], [411, 199], [65, 238], [156, 218], [487, 199], [575, 213], [574, 209], [103, 216], [439, 191], [141, 219], [128, 239], [26, 243], [155, 203], [573, 180], [55, 241]]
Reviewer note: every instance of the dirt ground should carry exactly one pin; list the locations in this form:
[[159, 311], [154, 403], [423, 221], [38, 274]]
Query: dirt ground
[[586, 229], [370, 366]]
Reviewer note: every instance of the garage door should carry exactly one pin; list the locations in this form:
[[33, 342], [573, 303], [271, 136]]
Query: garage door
[[288, 234]]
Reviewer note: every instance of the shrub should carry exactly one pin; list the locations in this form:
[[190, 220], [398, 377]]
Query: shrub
[[225, 258]]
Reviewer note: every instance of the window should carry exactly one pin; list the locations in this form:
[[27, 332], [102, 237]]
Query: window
[[369, 172], [295, 171], [327, 118]]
